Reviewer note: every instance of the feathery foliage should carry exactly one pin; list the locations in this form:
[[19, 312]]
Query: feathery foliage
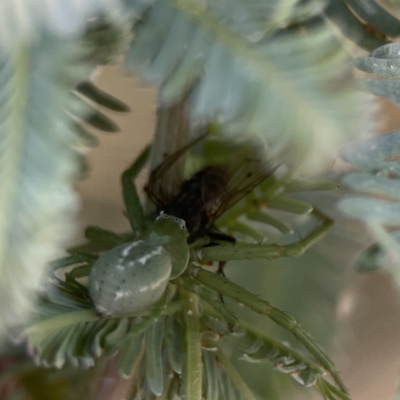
[[269, 73], [376, 158], [38, 164], [246, 74]]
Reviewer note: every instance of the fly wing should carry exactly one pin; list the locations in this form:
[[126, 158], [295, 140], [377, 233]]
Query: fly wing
[[159, 189], [244, 174]]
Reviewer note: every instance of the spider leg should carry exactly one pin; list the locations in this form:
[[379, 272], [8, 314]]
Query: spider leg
[[101, 240], [245, 251], [209, 296], [132, 202], [83, 262], [221, 237], [104, 237], [286, 321], [71, 260], [226, 238], [221, 266], [78, 272]]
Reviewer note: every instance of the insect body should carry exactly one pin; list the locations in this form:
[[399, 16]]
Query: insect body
[[132, 277], [209, 192], [199, 199]]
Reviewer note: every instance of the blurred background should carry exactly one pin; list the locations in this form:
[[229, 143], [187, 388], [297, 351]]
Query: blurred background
[[355, 317]]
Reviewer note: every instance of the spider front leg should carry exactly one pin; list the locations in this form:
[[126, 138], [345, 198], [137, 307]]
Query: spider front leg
[[132, 202], [102, 239], [245, 251]]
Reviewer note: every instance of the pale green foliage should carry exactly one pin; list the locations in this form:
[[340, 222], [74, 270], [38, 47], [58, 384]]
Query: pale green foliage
[[37, 164], [26, 21], [40, 134], [275, 88], [364, 22], [287, 90], [376, 157]]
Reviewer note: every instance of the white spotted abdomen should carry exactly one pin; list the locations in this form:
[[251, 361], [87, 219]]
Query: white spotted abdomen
[[129, 278]]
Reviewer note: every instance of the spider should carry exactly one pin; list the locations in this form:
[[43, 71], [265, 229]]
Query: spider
[[153, 286]]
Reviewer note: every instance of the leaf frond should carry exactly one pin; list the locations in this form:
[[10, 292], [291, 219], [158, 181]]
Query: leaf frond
[[281, 82]]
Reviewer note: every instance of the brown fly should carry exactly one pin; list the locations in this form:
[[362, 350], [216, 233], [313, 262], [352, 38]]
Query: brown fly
[[211, 191]]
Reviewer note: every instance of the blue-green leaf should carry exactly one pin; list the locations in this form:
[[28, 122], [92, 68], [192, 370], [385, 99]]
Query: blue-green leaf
[[388, 213], [154, 362], [130, 356], [38, 166], [371, 12], [352, 27], [25, 21], [245, 81], [174, 344]]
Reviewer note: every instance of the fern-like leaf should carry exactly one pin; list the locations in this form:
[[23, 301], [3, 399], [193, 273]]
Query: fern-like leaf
[[25, 21], [37, 164], [247, 79], [377, 159]]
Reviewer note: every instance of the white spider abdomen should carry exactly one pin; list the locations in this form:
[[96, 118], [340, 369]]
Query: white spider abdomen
[[129, 278]]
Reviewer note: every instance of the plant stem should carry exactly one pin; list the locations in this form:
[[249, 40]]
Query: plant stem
[[193, 366]]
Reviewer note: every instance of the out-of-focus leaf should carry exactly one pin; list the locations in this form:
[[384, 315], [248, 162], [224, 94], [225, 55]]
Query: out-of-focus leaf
[[289, 83], [377, 157], [371, 12], [385, 67], [351, 27], [376, 256], [383, 61], [386, 52], [388, 213], [38, 166], [100, 121], [107, 36], [375, 185], [101, 97], [374, 155], [85, 137], [385, 87], [25, 20]]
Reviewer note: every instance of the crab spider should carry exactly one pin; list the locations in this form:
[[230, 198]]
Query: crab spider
[[159, 273]]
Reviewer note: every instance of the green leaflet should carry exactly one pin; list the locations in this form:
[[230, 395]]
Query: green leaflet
[[211, 375], [101, 97], [174, 344], [228, 390], [154, 362], [130, 357]]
